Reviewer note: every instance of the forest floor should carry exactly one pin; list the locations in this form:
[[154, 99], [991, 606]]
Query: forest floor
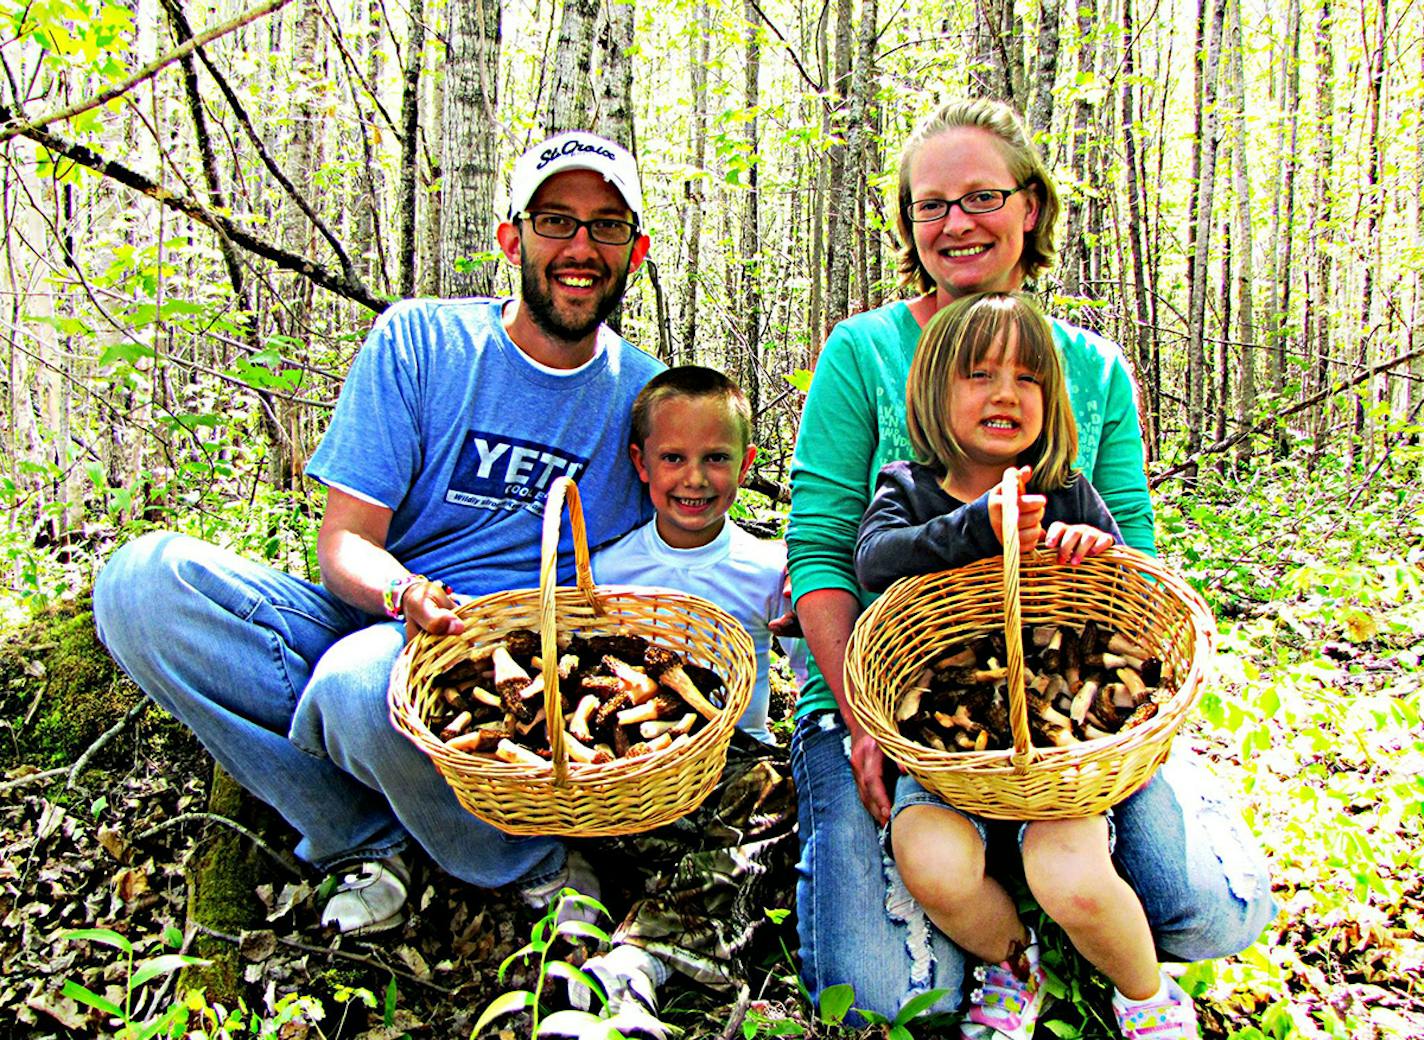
[[1314, 719]]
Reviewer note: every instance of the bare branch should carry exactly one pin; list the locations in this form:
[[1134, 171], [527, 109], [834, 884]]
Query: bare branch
[[351, 289], [18, 129]]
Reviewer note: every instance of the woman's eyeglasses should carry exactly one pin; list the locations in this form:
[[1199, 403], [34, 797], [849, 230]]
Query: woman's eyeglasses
[[985, 200]]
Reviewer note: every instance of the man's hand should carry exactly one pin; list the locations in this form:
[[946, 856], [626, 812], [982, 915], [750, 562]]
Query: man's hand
[[429, 607], [1031, 510]]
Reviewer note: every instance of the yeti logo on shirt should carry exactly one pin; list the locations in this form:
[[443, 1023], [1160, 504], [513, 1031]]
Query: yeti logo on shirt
[[495, 471]]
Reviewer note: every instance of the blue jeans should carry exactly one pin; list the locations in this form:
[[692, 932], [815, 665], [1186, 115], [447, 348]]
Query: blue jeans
[[1186, 852], [285, 685]]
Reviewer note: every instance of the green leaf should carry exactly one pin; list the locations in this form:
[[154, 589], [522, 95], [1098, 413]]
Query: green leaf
[[1058, 1027], [778, 915], [164, 965], [917, 1004], [835, 1002], [127, 352], [578, 1024], [898, 1032], [106, 936], [575, 928], [388, 1012], [504, 1004], [801, 380], [74, 991]]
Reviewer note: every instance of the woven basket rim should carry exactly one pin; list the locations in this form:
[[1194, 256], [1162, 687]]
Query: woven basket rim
[[587, 773], [998, 765]]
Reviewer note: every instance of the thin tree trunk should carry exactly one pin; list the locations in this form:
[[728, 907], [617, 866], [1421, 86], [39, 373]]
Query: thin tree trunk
[[1283, 216], [1203, 195], [570, 87], [862, 87], [1040, 109], [694, 186], [750, 247], [469, 160], [840, 202], [1241, 240], [1144, 333], [410, 149], [1373, 202], [1318, 299], [615, 74]]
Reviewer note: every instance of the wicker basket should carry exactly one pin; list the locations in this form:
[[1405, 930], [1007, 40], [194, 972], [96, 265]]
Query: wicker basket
[[575, 799], [920, 617]]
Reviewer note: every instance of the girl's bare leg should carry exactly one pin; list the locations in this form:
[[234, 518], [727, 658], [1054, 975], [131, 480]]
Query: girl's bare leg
[[1071, 874], [941, 860]]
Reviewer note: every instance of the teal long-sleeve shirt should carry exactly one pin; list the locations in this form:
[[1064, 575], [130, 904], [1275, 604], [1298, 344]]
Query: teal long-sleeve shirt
[[854, 423]]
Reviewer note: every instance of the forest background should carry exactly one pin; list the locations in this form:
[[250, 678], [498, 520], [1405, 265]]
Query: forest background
[[205, 206]]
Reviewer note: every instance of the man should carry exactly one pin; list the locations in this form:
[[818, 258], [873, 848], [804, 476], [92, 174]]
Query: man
[[453, 421]]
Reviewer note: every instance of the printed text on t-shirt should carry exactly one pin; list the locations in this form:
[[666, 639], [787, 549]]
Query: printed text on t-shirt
[[495, 471]]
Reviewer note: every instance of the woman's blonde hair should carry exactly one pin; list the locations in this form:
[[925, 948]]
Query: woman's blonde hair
[[1025, 165], [959, 337]]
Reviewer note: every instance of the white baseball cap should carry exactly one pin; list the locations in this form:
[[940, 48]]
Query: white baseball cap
[[576, 150]]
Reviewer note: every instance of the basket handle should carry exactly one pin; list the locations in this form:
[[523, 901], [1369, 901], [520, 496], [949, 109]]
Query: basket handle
[[563, 489], [1013, 629]]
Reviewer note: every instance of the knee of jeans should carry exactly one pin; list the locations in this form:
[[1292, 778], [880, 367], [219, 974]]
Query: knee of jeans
[[137, 574]]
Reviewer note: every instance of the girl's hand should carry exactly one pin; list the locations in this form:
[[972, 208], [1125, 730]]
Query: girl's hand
[[1031, 509], [1076, 542]]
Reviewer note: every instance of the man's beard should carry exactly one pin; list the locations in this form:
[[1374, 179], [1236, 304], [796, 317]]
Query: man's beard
[[539, 300]]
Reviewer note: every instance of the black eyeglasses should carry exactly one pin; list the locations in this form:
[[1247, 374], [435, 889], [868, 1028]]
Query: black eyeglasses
[[604, 231], [985, 200]]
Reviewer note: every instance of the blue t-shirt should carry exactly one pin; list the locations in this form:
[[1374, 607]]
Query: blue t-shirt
[[743, 575], [445, 422]]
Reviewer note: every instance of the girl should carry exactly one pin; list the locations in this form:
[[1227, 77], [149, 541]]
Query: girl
[[986, 394]]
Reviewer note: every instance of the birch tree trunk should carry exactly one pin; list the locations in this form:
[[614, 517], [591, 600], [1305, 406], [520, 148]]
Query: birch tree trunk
[[469, 160]]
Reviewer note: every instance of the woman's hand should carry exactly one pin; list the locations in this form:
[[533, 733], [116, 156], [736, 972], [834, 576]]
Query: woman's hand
[[1031, 509], [429, 606], [869, 763], [1076, 542]]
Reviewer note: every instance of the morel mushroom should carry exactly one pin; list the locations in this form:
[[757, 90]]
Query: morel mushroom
[[665, 666]]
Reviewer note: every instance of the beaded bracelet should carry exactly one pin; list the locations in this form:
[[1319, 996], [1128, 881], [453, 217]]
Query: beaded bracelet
[[395, 592]]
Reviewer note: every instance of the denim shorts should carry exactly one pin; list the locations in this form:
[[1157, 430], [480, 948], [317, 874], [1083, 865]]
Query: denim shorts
[[909, 791]]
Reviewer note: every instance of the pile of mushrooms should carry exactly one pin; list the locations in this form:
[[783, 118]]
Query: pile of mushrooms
[[622, 697], [1081, 683]]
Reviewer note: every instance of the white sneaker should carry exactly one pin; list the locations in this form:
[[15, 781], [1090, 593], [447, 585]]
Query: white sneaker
[[372, 899], [630, 977], [576, 874]]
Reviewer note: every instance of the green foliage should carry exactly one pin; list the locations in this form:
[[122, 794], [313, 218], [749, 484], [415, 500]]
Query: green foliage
[[192, 1015], [545, 937]]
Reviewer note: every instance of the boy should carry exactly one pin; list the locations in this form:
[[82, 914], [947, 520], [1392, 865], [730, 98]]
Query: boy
[[691, 445]]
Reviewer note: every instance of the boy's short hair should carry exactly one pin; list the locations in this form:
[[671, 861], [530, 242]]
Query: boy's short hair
[[690, 381]]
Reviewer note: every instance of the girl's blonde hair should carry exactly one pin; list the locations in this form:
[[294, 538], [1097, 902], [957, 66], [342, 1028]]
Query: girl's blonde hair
[[1025, 166], [959, 337]]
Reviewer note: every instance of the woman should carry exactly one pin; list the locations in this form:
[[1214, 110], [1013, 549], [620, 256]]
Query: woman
[[976, 212]]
